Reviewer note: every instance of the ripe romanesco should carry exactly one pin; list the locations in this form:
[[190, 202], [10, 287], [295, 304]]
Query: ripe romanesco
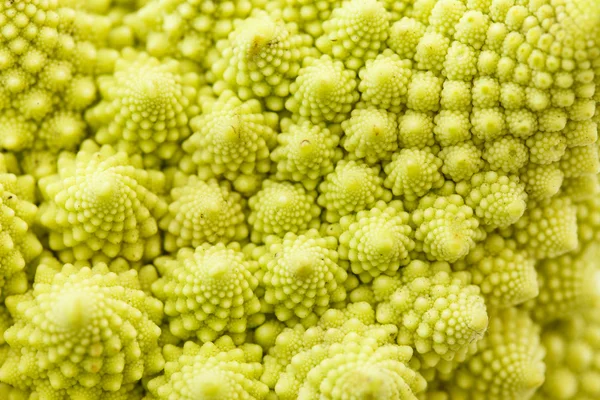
[[299, 199]]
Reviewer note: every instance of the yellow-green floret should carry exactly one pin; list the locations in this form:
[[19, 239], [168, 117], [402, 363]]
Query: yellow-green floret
[[208, 292], [437, 311], [508, 364], [505, 274], [19, 245], [146, 105], [413, 173], [353, 186], [103, 201], [215, 370], [260, 58], [355, 32], [324, 91], [568, 285], [499, 200], [281, 207], [461, 161], [376, 241], [46, 74], [232, 139], [342, 357], [446, 228], [202, 212], [548, 228], [305, 153], [82, 333], [370, 134], [572, 351], [300, 275], [384, 81]]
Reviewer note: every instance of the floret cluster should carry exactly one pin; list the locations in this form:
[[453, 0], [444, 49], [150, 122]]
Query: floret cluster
[[299, 199]]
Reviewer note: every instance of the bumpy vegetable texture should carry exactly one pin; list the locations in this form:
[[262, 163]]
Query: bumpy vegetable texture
[[299, 199]]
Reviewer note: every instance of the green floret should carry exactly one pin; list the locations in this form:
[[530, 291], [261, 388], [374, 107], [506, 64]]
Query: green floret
[[424, 91], [485, 92], [45, 70], [342, 357], [231, 139], [186, 29], [472, 28], [431, 51], [488, 123], [301, 276], [452, 127], [18, 244], [324, 91], [353, 186], [460, 63], [309, 15], [60, 322], [416, 130], [404, 35], [377, 241], [542, 181], [38, 163], [498, 200], [507, 154], [581, 188], [568, 285], [546, 148], [548, 228], [102, 200], [218, 370], [261, 57], [437, 312], [370, 134], [413, 173], [384, 81], [445, 15], [508, 364], [581, 133], [282, 207], [582, 160], [146, 105], [461, 161], [446, 228], [202, 212], [572, 350], [305, 153], [355, 32], [505, 274], [208, 292]]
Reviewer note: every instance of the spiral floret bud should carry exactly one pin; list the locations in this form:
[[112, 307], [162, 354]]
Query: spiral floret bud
[[446, 228], [208, 292], [355, 32], [96, 331], [301, 275], [102, 200], [215, 370], [436, 311], [324, 91], [508, 364], [370, 134], [377, 241], [305, 153], [232, 139], [353, 186], [202, 212], [413, 173], [282, 207], [498, 200]]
